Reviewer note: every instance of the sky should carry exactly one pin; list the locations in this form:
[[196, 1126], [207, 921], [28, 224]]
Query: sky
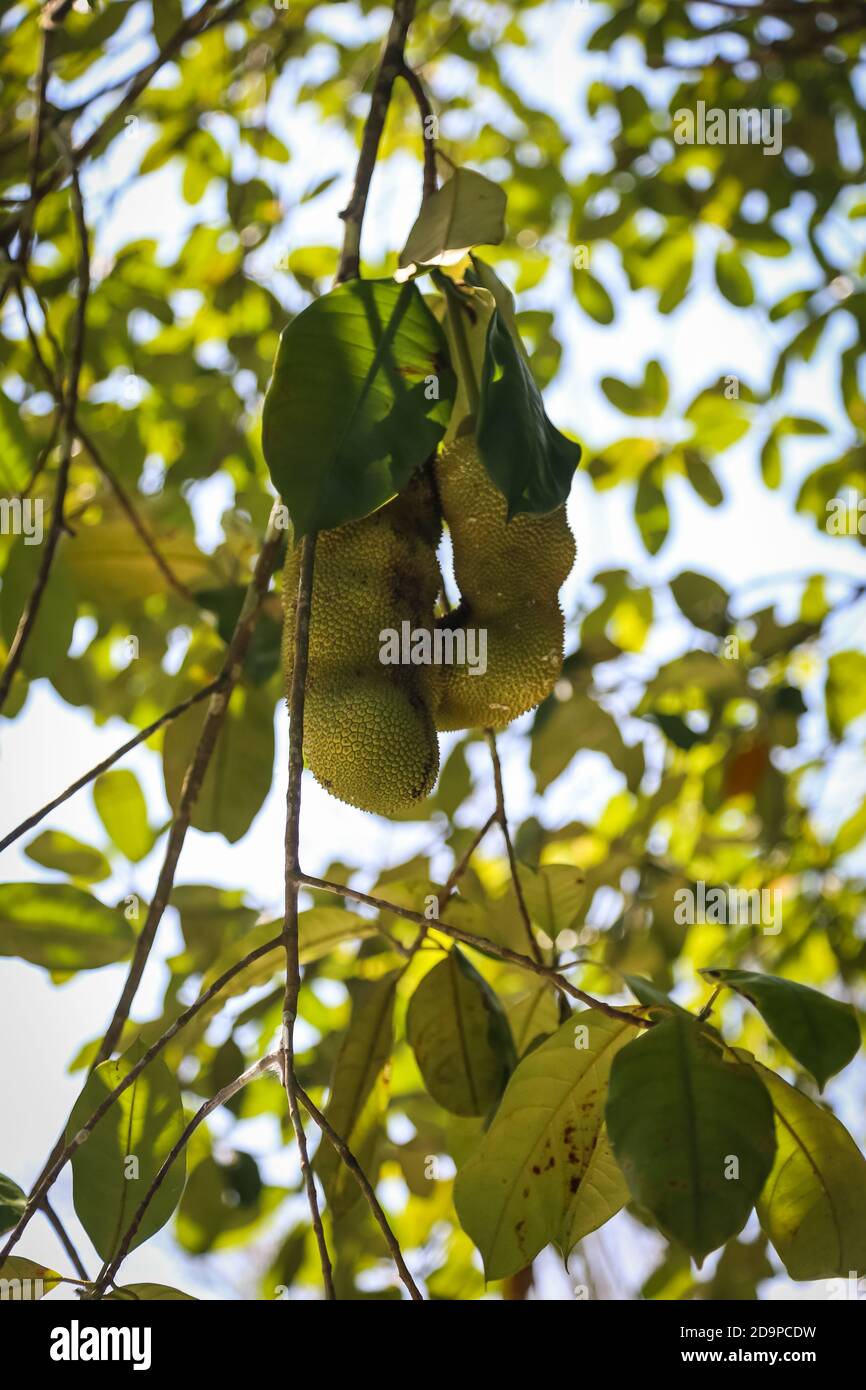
[[751, 544]]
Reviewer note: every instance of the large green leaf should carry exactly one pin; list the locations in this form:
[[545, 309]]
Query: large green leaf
[[360, 397], [468, 210], [822, 1033], [693, 1133], [113, 1169], [61, 927], [528, 459], [122, 809], [54, 849], [359, 1090], [813, 1206], [460, 1036], [544, 1171]]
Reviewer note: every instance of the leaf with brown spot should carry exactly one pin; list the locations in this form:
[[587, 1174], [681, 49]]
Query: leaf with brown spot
[[516, 1193]]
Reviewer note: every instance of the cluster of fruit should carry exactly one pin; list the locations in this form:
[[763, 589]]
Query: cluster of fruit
[[370, 730]]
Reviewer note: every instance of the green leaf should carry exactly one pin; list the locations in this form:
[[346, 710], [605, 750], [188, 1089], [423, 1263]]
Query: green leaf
[[121, 807], [701, 476], [701, 600], [532, 1014], [554, 896], [17, 455], [813, 1206], [320, 931], [55, 850], [240, 773], [649, 994], [359, 1090], [649, 398], [528, 459], [651, 512], [113, 1169], [263, 657], [680, 1118], [456, 1027], [734, 280], [823, 1034], [13, 1200], [544, 1171], [845, 690], [468, 210], [61, 927], [25, 1280], [360, 397], [592, 296]]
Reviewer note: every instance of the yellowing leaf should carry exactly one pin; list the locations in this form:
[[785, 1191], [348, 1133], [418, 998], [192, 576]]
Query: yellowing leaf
[[813, 1206], [544, 1171], [468, 210]]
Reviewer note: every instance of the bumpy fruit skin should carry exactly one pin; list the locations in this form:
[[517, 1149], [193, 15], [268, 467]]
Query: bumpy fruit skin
[[509, 575], [369, 736]]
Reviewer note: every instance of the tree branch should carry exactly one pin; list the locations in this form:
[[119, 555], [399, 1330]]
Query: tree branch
[[366, 1187], [110, 1268], [389, 68], [195, 774], [301, 642], [479, 943], [512, 858], [416, 86], [63, 1236], [64, 1151], [27, 621], [114, 757]]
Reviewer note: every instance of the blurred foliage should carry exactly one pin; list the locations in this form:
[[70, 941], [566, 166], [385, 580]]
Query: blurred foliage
[[720, 726]]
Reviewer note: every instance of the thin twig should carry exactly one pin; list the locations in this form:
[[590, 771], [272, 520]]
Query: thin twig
[[54, 380], [512, 857], [389, 68], [62, 1155], [27, 621], [453, 879], [46, 44], [110, 1268], [195, 774], [63, 1236], [428, 125], [193, 25], [112, 758], [134, 518], [354, 1167], [478, 943], [300, 650]]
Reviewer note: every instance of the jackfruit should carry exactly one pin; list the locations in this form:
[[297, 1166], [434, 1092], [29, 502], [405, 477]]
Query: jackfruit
[[509, 574], [369, 735]]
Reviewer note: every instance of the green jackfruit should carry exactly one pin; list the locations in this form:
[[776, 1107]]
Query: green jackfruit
[[509, 575], [369, 735]]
